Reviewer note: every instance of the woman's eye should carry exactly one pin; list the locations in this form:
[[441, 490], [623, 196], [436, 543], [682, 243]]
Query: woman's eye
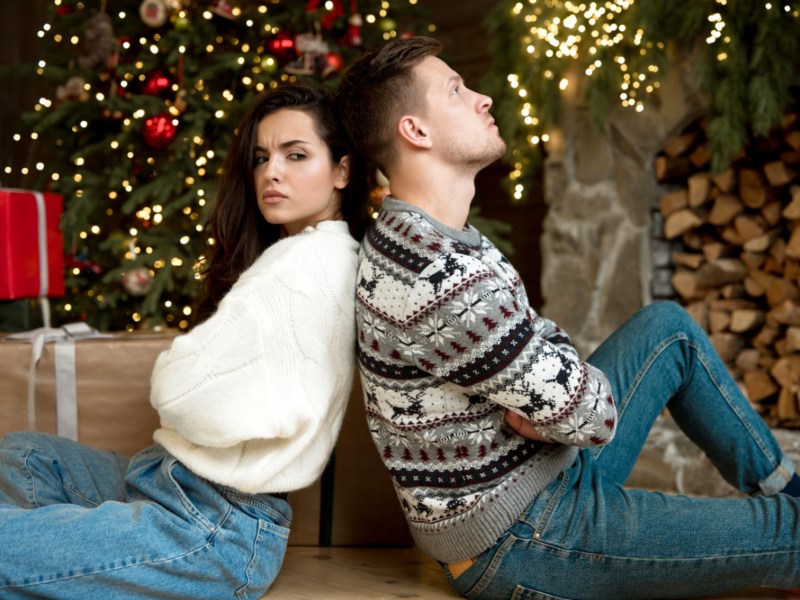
[[457, 90], [260, 160], [296, 156]]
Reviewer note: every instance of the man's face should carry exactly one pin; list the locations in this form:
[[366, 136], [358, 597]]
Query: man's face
[[462, 130]]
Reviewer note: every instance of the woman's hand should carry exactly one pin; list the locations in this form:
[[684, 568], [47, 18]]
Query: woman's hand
[[523, 427]]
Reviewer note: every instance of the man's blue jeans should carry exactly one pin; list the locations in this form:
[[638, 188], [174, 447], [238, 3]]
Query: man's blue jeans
[[76, 522], [585, 536]]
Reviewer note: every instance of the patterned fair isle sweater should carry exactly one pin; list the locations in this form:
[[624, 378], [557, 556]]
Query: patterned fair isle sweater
[[447, 342]]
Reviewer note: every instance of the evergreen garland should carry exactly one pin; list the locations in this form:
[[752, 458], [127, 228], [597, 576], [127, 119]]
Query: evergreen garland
[[746, 55]]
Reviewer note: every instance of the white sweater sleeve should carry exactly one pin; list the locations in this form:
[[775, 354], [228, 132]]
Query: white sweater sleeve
[[261, 367]]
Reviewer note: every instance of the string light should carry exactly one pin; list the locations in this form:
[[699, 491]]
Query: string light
[[592, 33], [141, 53]]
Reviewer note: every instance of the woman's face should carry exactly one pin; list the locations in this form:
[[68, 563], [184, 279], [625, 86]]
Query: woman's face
[[296, 183]]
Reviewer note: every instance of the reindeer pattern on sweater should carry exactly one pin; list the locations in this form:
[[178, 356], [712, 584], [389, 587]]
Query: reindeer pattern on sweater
[[447, 342]]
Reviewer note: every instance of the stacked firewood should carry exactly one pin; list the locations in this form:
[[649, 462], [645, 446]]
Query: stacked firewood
[[738, 267]]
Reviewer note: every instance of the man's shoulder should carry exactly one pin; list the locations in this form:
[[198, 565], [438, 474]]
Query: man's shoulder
[[408, 240]]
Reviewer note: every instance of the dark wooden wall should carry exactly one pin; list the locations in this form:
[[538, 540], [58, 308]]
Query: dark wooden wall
[[466, 48]]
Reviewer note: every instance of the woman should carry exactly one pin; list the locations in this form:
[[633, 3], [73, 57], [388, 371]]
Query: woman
[[250, 401]]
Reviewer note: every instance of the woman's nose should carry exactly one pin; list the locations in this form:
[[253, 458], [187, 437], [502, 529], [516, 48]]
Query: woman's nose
[[272, 170]]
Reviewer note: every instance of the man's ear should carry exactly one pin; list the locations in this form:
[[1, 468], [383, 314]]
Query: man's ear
[[414, 131], [343, 175]]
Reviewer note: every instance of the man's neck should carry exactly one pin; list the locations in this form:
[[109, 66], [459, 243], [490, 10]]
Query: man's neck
[[445, 198]]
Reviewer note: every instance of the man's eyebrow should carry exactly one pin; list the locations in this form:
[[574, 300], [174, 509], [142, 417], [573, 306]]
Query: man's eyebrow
[[457, 79]]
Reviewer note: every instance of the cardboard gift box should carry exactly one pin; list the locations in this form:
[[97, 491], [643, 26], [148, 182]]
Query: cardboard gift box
[[112, 389], [353, 504], [31, 244]]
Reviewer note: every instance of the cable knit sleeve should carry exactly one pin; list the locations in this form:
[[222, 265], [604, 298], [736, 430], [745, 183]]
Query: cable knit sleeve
[[466, 324], [265, 366]]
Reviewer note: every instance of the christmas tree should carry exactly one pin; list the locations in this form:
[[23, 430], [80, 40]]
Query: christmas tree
[[146, 95], [616, 52]]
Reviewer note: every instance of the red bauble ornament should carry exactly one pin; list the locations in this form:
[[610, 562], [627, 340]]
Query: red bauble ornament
[[157, 84], [335, 61], [159, 131], [282, 47]]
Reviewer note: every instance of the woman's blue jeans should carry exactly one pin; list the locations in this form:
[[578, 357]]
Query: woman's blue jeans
[[76, 522], [586, 536]]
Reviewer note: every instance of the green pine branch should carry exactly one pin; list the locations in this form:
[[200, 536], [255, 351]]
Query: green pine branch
[[746, 60]]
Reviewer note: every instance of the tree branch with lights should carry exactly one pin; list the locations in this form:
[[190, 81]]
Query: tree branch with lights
[[615, 52], [145, 96]]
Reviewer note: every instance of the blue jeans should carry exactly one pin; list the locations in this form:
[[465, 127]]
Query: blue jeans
[[586, 536], [76, 522]]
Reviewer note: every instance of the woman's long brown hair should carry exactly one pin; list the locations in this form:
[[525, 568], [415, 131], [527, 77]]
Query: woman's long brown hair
[[237, 226]]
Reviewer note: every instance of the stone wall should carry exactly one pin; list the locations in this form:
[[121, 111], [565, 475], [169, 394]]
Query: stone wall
[[598, 259], [600, 190]]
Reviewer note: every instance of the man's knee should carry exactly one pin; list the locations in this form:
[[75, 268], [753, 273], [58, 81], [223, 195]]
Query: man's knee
[[668, 312]]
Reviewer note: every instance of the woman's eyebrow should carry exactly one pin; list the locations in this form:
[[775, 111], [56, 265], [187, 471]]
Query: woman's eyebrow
[[286, 144]]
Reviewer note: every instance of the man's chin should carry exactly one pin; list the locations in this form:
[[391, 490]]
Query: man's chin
[[496, 154]]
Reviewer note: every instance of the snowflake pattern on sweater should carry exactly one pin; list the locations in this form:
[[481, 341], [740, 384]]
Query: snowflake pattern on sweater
[[447, 341]]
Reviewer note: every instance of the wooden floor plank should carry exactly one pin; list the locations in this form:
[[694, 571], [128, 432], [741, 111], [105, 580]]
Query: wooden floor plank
[[345, 573], [311, 573]]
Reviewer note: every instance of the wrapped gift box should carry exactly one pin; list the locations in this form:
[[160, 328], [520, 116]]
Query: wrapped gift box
[[353, 505], [112, 385], [31, 244]]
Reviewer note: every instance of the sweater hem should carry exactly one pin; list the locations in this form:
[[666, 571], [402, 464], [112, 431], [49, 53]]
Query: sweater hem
[[472, 533]]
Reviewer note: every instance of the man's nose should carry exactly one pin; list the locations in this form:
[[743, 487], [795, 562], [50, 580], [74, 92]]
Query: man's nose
[[484, 102]]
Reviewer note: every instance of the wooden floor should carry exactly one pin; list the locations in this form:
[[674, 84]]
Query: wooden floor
[[312, 573]]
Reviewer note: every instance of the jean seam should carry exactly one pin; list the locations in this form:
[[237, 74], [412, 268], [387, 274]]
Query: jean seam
[[199, 517], [747, 426], [99, 571], [494, 563], [550, 508], [727, 555], [31, 487], [640, 375], [279, 518], [68, 489], [262, 530]]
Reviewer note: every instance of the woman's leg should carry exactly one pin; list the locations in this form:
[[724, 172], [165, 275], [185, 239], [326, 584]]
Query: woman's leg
[[38, 469], [662, 358], [175, 536]]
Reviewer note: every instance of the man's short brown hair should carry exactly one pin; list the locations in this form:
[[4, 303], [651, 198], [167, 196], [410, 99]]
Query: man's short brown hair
[[376, 91]]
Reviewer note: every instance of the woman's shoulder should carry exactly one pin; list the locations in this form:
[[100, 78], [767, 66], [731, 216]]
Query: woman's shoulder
[[328, 243]]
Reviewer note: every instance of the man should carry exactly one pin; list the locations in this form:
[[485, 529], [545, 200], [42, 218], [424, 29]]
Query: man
[[500, 439]]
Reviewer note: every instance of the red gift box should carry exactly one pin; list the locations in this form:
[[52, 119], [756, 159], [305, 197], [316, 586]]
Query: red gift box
[[31, 244]]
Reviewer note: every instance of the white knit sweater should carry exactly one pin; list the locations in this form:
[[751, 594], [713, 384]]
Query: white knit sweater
[[253, 398]]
